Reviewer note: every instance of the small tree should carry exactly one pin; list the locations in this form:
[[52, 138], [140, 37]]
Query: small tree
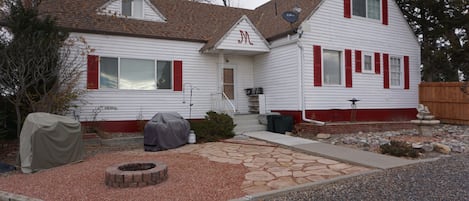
[[40, 67]]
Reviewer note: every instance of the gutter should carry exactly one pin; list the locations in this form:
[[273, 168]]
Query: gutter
[[302, 97]]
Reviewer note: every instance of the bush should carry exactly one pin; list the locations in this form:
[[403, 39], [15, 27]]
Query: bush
[[214, 127], [399, 148]]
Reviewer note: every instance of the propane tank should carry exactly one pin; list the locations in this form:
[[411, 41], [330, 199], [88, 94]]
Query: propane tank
[[191, 137]]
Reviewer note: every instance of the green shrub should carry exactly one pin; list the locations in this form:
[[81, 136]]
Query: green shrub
[[399, 148], [214, 127]]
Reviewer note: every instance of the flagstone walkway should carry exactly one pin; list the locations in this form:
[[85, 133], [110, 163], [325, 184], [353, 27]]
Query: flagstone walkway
[[271, 167]]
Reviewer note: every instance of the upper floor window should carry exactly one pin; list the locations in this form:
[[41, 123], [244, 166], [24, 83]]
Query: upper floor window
[[332, 67], [132, 8], [396, 69], [367, 8]]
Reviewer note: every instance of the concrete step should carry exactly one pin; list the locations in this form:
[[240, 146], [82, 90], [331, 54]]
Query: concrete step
[[247, 123], [245, 116]]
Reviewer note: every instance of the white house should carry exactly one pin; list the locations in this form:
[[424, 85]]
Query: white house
[[174, 55]]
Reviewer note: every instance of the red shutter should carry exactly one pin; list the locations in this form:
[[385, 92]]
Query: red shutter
[[358, 61], [386, 70], [317, 65], [177, 76], [385, 11], [377, 63], [406, 72], [347, 9], [92, 72], [348, 68]]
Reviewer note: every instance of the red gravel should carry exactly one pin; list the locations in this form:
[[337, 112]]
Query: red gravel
[[190, 178]]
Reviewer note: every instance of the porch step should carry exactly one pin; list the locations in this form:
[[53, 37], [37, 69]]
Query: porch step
[[247, 123]]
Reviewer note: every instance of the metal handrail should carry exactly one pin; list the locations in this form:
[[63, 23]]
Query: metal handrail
[[229, 101]]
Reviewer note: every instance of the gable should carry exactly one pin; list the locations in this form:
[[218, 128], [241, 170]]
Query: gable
[[243, 36], [150, 12]]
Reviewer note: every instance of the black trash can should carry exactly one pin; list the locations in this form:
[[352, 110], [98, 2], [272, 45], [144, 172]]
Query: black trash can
[[271, 122], [279, 124]]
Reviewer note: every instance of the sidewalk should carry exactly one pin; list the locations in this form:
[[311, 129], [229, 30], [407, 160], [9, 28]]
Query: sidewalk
[[344, 154]]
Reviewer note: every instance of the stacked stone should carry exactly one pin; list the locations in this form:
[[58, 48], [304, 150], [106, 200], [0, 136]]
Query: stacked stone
[[117, 178]]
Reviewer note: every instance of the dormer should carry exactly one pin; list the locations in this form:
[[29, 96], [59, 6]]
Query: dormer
[[134, 9]]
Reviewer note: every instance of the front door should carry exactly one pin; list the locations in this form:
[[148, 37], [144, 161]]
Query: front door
[[228, 83]]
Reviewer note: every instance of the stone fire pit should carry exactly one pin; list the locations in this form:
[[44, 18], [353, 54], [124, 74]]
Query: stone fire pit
[[136, 174]]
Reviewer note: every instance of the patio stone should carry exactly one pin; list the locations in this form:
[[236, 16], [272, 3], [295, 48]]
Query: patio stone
[[280, 171], [300, 174], [316, 167], [339, 166], [354, 169], [315, 178], [327, 161], [259, 176], [323, 172], [282, 182]]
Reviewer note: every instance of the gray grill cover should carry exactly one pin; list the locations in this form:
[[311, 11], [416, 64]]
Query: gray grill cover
[[165, 131], [49, 140]]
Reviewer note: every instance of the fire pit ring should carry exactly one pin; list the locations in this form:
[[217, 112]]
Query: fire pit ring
[[136, 174]]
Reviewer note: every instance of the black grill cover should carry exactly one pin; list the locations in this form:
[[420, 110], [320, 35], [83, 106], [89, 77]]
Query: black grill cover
[[165, 131]]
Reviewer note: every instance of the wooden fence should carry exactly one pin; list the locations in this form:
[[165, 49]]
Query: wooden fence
[[446, 101]]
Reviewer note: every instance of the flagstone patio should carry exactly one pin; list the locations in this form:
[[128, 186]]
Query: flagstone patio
[[270, 167]]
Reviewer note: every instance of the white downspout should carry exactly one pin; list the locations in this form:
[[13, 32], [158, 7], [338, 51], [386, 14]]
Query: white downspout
[[302, 96]]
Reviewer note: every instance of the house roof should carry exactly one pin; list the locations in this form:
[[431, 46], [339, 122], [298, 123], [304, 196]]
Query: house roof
[[186, 20]]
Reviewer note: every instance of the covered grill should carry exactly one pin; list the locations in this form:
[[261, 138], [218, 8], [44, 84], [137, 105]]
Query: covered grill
[[165, 131]]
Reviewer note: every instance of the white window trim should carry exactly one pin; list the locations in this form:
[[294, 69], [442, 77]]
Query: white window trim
[[132, 11], [401, 75], [119, 73], [342, 67], [372, 71], [366, 11]]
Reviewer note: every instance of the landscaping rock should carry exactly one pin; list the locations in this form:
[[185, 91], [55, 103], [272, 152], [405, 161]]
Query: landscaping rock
[[444, 149], [417, 145], [323, 136], [427, 147], [457, 148]]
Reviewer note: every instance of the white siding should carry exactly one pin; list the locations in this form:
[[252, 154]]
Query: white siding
[[330, 30], [278, 72], [151, 13], [233, 40], [243, 79], [198, 69], [114, 8]]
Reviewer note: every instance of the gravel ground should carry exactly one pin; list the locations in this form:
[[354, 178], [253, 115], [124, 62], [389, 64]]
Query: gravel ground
[[444, 179], [190, 178]]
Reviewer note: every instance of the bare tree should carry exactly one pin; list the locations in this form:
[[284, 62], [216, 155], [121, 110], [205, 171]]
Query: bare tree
[[40, 67]]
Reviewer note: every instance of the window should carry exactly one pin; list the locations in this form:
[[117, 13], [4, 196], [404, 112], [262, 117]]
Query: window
[[132, 8], [368, 63], [332, 67], [109, 73], [136, 74], [164, 75], [395, 71], [367, 8]]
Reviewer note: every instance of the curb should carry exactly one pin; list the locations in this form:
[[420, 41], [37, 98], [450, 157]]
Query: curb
[[276, 193], [5, 196]]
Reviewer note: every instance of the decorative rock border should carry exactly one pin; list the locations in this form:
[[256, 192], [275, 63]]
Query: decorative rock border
[[152, 175]]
